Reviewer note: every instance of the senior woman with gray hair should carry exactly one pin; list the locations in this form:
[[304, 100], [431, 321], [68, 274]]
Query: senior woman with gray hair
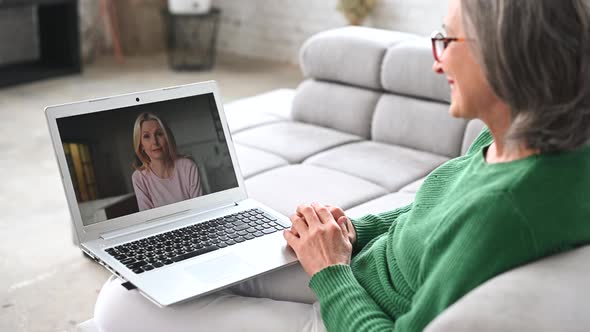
[[519, 194]]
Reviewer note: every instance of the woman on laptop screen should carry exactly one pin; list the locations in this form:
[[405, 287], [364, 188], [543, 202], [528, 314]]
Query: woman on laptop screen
[[161, 176]]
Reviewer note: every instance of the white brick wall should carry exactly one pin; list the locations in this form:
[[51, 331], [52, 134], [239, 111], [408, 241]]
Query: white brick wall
[[276, 29], [415, 16]]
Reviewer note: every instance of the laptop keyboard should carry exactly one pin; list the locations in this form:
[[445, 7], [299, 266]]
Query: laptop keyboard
[[174, 246]]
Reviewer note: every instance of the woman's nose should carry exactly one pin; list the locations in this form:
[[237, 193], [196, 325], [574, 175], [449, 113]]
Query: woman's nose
[[437, 67]]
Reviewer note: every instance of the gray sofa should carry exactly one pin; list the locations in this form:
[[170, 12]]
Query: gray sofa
[[366, 126], [362, 131]]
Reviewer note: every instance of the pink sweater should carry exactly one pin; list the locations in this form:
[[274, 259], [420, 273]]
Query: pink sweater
[[152, 191]]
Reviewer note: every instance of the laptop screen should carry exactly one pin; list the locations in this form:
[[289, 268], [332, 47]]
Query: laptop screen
[[142, 157]]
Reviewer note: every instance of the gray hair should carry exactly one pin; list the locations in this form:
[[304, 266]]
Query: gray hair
[[536, 57]]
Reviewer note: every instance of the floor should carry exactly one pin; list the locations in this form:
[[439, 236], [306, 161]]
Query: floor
[[46, 284]]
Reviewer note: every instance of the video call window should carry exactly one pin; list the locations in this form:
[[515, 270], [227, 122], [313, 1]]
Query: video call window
[[142, 157]]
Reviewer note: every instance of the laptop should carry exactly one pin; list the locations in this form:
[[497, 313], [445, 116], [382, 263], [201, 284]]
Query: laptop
[[156, 195]]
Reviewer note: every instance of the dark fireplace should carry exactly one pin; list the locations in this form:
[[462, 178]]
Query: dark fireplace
[[51, 44]]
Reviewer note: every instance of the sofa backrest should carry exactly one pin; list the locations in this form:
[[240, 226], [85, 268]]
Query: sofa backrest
[[350, 55], [407, 70], [379, 85], [343, 71], [414, 109], [338, 106], [417, 124]]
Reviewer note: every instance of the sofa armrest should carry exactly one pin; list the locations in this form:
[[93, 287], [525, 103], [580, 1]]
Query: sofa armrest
[[548, 295]]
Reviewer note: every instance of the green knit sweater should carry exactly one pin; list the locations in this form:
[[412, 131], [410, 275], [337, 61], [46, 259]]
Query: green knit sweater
[[470, 221]]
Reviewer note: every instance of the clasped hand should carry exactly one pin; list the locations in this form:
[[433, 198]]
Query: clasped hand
[[321, 236]]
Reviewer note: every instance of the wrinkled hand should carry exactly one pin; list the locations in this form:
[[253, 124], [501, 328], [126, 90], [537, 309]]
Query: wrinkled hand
[[318, 239], [340, 218]]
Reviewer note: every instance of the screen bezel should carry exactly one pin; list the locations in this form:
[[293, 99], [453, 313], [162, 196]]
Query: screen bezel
[[208, 202]]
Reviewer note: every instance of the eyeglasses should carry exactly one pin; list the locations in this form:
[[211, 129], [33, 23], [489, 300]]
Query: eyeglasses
[[440, 44]]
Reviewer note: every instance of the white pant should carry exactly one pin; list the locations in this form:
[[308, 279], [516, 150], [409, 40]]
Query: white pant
[[278, 301]]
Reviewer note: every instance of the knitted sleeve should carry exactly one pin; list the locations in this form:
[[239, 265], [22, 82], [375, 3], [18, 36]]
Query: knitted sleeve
[[370, 226]]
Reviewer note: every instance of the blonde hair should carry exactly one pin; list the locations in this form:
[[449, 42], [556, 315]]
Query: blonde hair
[[144, 160]]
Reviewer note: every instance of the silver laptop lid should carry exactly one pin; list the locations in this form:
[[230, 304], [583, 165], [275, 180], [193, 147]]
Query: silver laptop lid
[[142, 157]]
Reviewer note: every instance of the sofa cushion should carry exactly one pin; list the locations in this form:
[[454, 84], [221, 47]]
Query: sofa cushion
[[273, 106], [474, 128], [283, 189], [547, 295], [294, 141], [253, 161], [350, 55], [388, 166], [381, 204], [418, 124], [341, 107], [407, 70], [413, 187]]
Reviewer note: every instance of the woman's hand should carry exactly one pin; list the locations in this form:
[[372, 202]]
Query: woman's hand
[[317, 239], [341, 219]]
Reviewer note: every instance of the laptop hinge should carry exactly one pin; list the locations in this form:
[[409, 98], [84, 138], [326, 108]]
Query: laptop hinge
[[157, 222]]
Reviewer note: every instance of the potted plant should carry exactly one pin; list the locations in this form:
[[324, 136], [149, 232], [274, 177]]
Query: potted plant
[[356, 11]]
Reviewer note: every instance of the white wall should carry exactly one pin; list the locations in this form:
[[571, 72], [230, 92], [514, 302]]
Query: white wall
[[276, 29]]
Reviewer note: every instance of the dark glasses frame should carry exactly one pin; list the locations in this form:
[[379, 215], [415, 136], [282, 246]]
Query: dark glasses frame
[[438, 37]]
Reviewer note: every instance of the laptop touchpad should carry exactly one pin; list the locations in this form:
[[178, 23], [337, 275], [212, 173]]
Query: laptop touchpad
[[219, 269]]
